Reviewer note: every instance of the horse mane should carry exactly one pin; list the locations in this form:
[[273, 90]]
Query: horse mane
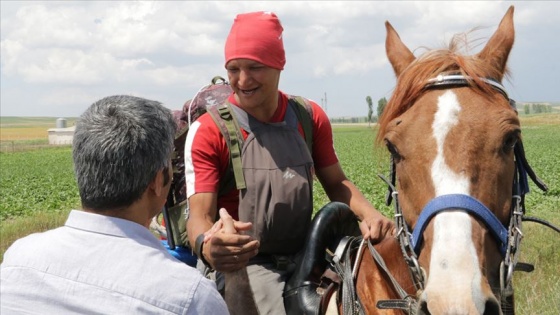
[[412, 81]]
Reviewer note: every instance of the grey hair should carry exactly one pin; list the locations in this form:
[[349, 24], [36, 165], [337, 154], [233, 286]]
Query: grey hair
[[119, 145]]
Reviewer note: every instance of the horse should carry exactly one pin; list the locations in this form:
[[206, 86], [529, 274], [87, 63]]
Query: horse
[[458, 179]]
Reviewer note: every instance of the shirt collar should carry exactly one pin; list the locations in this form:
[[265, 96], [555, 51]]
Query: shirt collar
[[97, 223]]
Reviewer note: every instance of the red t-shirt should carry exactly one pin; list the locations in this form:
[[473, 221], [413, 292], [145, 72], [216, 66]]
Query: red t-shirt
[[207, 155]]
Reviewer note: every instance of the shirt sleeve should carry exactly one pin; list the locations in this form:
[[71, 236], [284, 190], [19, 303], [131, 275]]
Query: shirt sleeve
[[324, 153], [207, 300], [206, 156]]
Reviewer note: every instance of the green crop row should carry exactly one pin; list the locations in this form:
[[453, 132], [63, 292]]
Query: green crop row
[[35, 181], [43, 180]]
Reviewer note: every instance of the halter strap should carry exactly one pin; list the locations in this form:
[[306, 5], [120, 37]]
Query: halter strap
[[459, 202], [459, 79]]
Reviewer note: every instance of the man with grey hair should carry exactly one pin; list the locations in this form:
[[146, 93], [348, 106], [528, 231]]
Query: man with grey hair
[[105, 260]]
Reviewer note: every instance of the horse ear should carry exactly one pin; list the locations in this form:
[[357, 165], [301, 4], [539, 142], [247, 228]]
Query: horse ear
[[497, 49], [399, 55]]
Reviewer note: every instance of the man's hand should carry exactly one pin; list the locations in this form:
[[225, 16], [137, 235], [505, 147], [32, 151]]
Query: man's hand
[[225, 248], [376, 227]]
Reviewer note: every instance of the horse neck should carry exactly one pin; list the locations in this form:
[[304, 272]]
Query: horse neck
[[373, 283]]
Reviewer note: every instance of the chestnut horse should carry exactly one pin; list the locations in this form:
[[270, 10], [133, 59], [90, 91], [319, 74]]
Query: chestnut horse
[[458, 181]]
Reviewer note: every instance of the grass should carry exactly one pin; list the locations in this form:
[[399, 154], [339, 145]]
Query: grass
[[37, 181], [18, 227], [538, 292], [539, 120]]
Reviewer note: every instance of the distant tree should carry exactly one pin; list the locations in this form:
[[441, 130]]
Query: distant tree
[[370, 109], [381, 106], [537, 108], [527, 109]]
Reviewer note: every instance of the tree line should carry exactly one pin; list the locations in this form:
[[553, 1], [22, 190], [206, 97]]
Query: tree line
[[537, 108], [373, 117]]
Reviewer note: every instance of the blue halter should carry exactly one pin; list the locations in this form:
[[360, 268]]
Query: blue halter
[[459, 202]]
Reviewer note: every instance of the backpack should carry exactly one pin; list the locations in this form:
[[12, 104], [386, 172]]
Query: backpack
[[212, 98]]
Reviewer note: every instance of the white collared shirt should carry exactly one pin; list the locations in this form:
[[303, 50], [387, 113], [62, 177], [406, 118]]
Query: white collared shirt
[[96, 264]]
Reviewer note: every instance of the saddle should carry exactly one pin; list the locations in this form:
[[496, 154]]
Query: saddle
[[313, 282]]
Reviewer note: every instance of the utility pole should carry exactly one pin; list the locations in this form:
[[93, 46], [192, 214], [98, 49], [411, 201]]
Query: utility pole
[[326, 106]]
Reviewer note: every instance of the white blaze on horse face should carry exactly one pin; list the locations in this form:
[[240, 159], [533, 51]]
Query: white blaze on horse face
[[454, 269], [447, 116]]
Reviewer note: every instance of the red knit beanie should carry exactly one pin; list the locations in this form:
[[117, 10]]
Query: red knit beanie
[[256, 36]]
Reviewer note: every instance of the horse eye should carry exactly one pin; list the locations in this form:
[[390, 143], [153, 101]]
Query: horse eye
[[393, 150], [510, 141]]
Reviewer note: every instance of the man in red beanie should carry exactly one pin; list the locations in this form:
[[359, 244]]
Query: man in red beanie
[[272, 218]]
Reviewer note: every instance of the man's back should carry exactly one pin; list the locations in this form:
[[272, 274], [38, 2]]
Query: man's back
[[98, 264]]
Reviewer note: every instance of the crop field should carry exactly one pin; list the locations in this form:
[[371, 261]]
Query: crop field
[[37, 181], [28, 128], [26, 133], [19, 133], [39, 185]]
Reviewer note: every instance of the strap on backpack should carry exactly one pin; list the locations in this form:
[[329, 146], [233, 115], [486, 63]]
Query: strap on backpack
[[229, 127]]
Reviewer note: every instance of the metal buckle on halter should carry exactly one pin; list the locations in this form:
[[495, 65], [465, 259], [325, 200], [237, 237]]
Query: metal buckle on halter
[[404, 237], [514, 239]]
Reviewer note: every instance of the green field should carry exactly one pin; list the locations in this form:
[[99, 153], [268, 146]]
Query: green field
[[38, 188], [37, 181]]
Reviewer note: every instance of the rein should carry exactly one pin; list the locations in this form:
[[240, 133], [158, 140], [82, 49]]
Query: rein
[[508, 238]]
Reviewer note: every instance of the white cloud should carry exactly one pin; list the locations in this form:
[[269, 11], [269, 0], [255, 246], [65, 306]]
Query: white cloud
[[168, 49], [40, 26], [65, 97]]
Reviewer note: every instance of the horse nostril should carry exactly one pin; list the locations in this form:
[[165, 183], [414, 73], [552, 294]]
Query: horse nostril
[[492, 307]]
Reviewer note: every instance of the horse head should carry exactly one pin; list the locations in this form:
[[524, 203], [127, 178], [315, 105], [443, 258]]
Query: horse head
[[451, 132]]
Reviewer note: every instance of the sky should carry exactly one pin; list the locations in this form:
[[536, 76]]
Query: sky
[[58, 57]]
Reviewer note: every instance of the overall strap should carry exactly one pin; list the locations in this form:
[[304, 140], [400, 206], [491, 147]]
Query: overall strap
[[251, 124], [244, 120], [230, 119]]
